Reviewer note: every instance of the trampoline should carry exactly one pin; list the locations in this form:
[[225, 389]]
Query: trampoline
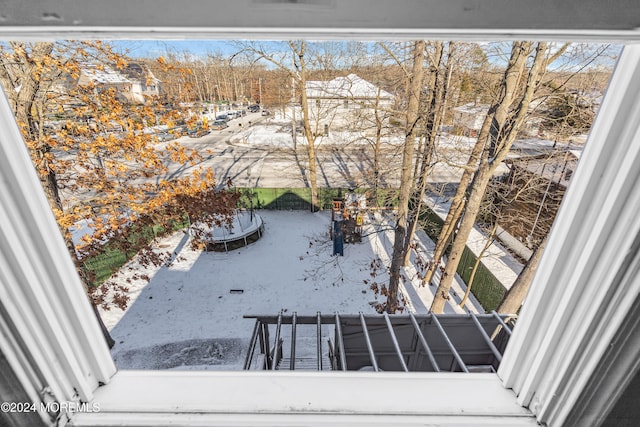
[[246, 228]]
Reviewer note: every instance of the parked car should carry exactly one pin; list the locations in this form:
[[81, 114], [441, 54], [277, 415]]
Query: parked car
[[219, 125], [197, 131], [178, 131], [165, 136], [224, 117], [254, 108], [265, 112]]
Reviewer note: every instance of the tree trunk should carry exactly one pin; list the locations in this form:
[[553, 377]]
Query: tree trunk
[[515, 296], [455, 211], [502, 135], [417, 205], [414, 89], [458, 202], [476, 265], [433, 120], [468, 220], [376, 148], [311, 149], [299, 74]]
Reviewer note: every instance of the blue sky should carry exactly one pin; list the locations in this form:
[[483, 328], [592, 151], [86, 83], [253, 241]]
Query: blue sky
[[155, 48]]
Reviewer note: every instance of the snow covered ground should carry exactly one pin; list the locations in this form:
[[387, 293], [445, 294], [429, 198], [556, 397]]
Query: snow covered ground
[[451, 154], [189, 315], [278, 134]]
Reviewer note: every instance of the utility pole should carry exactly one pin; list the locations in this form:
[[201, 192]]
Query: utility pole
[[260, 91]]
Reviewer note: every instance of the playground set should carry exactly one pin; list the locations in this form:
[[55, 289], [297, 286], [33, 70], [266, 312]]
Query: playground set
[[347, 219]]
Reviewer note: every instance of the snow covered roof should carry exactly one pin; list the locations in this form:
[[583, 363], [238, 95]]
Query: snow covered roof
[[472, 108], [351, 86], [103, 74]]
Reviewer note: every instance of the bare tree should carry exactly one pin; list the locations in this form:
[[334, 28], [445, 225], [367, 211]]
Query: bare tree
[[406, 179], [458, 201], [440, 80], [506, 122], [380, 117], [564, 102], [296, 67], [212, 78]]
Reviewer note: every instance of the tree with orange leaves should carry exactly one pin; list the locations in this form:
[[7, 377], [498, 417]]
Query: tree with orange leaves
[[96, 163]]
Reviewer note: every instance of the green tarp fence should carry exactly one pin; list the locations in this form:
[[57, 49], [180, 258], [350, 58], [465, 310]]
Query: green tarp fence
[[101, 265], [487, 289], [300, 198]]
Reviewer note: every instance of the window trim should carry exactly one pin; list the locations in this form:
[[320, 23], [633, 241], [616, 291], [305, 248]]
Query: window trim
[[54, 346], [49, 333], [597, 235], [587, 20]]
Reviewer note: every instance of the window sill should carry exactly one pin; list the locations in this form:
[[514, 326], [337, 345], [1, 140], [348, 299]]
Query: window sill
[[153, 398]]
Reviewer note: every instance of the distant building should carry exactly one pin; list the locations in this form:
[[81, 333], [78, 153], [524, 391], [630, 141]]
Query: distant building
[[134, 83], [144, 84], [101, 75], [348, 102], [468, 118]]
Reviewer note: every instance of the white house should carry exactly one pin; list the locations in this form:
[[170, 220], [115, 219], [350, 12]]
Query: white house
[[144, 84], [348, 102], [135, 83], [468, 118]]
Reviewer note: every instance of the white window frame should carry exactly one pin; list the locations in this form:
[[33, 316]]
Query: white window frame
[[579, 313]]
